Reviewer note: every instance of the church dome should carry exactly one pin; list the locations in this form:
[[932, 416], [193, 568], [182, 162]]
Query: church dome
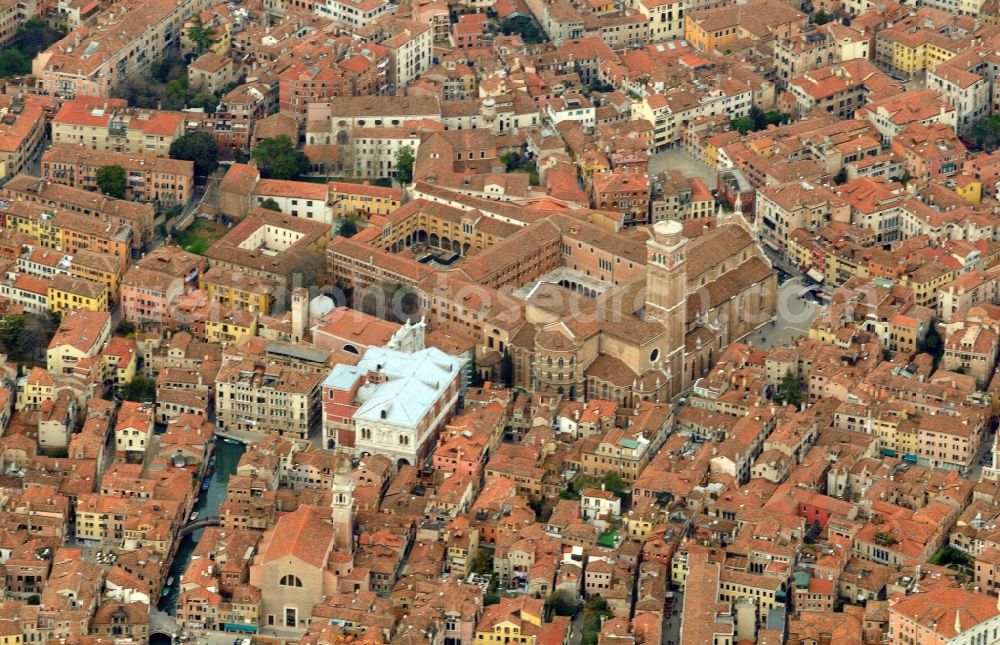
[[320, 306]]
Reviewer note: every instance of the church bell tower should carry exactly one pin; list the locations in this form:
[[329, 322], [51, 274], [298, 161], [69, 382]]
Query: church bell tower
[[342, 505], [666, 294]]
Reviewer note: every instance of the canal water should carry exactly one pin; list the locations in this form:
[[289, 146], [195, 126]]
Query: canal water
[[227, 458]]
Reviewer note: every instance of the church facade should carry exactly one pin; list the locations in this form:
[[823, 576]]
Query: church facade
[[652, 337], [297, 564]]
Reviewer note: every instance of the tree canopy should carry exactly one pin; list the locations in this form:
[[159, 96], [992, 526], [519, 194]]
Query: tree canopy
[[790, 391], [202, 36], [125, 327], [525, 27], [758, 120], [176, 94], [986, 133], [563, 603], [933, 344], [404, 164], [507, 369], [278, 158], [204, 100], [270, 205], [24, 338], [140, 388], [594, 611], [821, 17], [199, 147], [167, 87], [32, 36], [111, 181], [348, 227]]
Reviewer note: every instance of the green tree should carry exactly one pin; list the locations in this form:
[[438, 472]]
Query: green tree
[[140, 388], [206, 101], [35, 36], [594, 611], [270, 205], [140, 93], [563, 603], [600, 86], [171, 68], [742, 125], [10, 332], [526, 28], [512, 161], [532, 170], [14, 62], [821, 17], [348, 227], [582, 482], [775, 118], [790, 391], [35, 334], [614, 483], [176, 95], [199, 147], [404, 164], [507, 369], [32, 36], [475, 378], [125, 327], [483, 564], [757, 119], [933, 344], [278, 158], [202, 36], [986, 132], [111, 181]]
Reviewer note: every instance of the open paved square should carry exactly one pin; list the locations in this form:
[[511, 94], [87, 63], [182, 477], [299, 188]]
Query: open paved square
[[681, 160]]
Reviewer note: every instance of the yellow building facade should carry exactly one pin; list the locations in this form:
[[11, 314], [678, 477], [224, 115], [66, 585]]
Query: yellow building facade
[[971, 190], [348, 199], [94, 298], [510, 632], [915, 57], [926, 284], [100, 268], [231, 328], [121, 370], [233, 290]]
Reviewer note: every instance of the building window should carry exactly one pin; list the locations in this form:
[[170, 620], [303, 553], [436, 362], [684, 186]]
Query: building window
[[290, 581]]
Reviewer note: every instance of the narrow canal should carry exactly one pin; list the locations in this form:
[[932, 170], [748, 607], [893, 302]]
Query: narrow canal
[[227, 458]]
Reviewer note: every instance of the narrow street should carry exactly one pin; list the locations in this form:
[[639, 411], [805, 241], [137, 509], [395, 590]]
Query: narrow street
[[672, 622], [576, 635]]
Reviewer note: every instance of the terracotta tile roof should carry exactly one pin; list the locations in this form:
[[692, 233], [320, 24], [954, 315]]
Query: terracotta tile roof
[[78, 286], [297, 189], [81, 329], [941, 610], [304, 534]]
